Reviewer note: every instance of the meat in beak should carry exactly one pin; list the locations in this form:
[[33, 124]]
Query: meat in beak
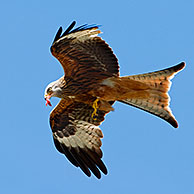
[[47, 98]]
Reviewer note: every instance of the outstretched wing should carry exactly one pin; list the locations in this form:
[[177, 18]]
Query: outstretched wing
[[77, 135], [85, 57]]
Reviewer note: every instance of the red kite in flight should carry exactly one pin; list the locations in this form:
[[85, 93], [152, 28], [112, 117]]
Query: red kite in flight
[[88, 90]]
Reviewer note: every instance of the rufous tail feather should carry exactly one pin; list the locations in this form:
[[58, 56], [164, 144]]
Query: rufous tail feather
[[152, 94]]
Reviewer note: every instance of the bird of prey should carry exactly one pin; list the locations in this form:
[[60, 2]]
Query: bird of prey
[[89, 88]]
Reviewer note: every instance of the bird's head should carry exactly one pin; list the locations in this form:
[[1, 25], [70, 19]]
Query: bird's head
[[53, 89]]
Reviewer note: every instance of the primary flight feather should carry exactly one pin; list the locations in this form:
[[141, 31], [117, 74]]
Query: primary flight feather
[[89, 88]]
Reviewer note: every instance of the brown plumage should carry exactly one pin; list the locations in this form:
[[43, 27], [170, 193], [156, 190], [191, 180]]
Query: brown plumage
[[89, 88]]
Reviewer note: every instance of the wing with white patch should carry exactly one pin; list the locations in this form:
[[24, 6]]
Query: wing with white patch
[[85, 57], [77, 135]]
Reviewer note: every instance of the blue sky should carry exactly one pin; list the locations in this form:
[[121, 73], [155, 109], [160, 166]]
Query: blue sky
[[143, 153]]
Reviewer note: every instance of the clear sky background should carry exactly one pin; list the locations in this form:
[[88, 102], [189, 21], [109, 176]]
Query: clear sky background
[[144, 154]]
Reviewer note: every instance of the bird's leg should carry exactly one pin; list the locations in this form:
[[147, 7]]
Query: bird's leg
[[95, 106]]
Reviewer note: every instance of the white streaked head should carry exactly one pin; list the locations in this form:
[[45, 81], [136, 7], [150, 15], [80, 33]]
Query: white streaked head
[[54, 89]]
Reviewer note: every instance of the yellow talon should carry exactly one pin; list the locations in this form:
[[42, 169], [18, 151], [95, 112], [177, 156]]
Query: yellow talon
[[95, 106]]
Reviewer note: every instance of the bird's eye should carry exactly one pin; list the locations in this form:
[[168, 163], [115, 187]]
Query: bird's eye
[[49, 90]]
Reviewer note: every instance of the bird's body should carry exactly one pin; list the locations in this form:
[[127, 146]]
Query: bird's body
[[88, 90]]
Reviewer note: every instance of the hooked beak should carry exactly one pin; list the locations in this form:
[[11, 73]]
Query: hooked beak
[[47, 98]]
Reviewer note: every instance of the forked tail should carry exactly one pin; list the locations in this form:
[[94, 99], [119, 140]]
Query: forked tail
[[155, 98]]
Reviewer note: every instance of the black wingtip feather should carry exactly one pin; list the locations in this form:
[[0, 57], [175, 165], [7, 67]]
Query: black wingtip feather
[[90, 164], [58, 35], [80, 161], [94, 156], [69, 29], [62, 149]]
